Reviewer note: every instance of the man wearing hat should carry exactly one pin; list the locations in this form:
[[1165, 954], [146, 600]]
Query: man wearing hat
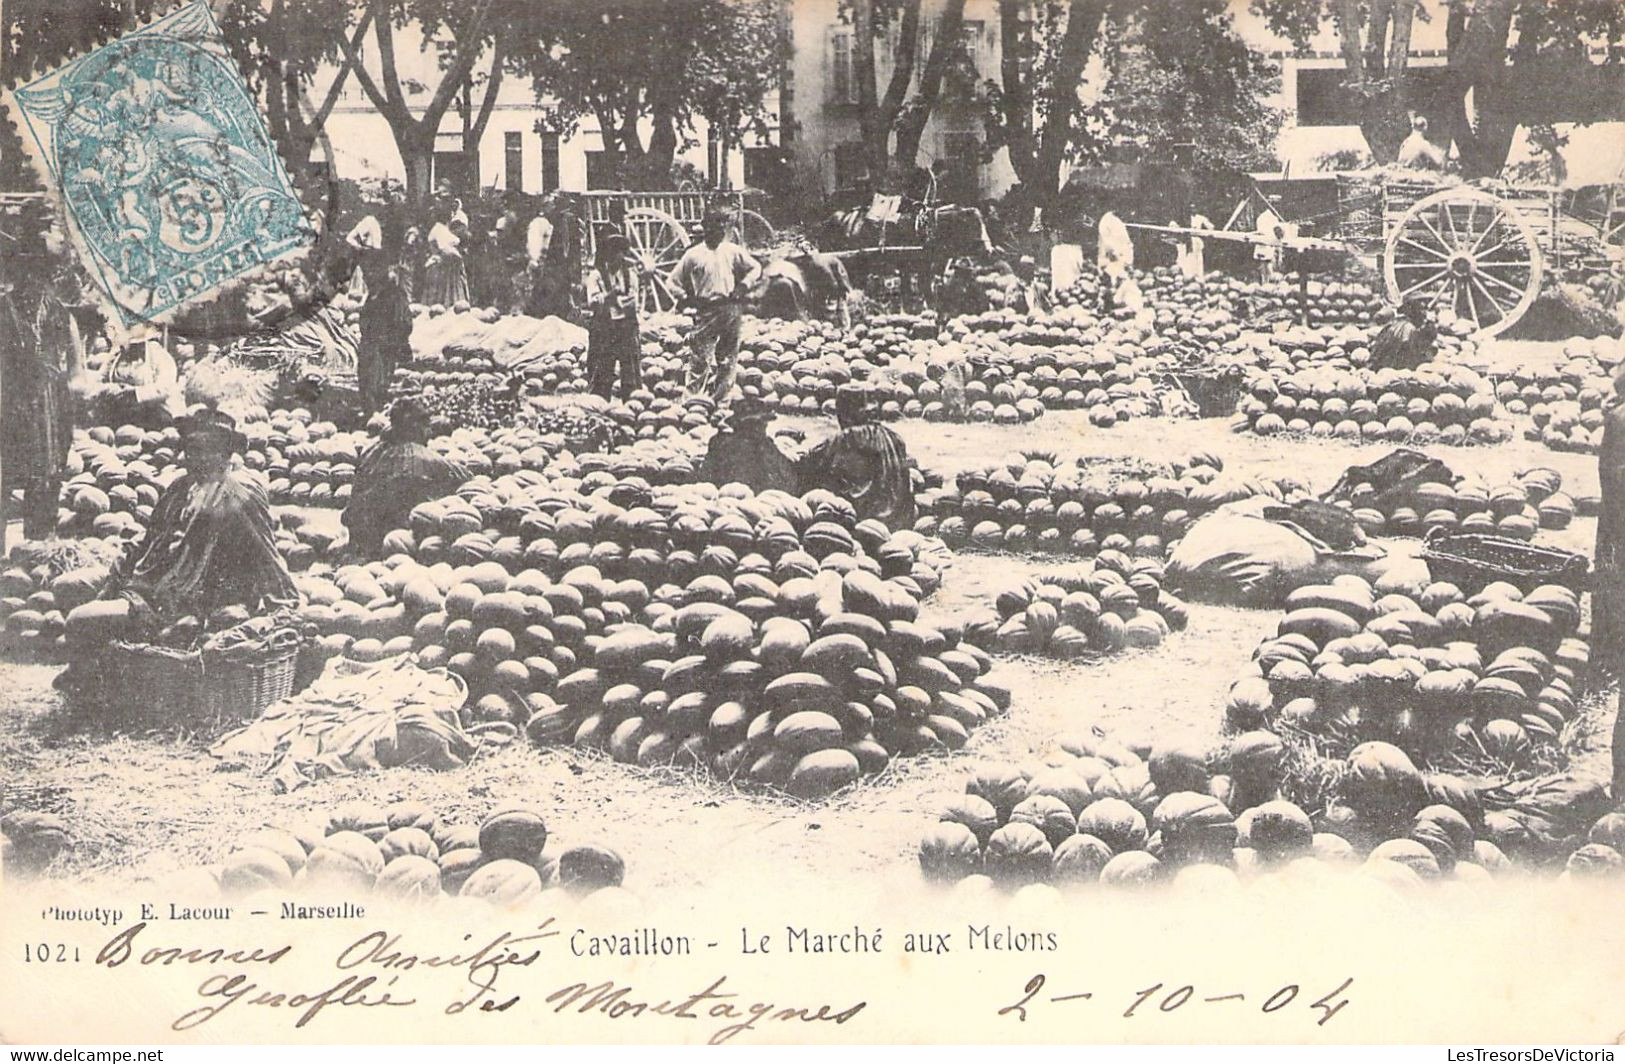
[[865, 463], [612, 335], [744, 453], [396, 474], [714, 276]]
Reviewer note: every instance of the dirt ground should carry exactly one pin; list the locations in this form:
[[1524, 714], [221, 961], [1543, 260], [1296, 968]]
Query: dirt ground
[[146, 807]]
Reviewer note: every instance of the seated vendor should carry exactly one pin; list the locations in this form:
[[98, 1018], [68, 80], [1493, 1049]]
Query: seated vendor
[[744, 453], [396, 474], [141, 386], [865, 463], [1407, 341], [209, 544]]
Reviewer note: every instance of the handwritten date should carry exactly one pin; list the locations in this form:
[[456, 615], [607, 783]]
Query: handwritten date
[[1161, 998]]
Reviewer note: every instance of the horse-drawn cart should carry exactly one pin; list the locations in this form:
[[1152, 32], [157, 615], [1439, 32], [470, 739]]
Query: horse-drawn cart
[[1480, 250], [660, 226]]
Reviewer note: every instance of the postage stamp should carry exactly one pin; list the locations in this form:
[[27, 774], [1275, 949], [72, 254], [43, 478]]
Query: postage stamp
[[161, 165]]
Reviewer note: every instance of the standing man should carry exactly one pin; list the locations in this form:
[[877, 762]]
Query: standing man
[[1608, 588], [43, 362], [612, 335], [714, 275]]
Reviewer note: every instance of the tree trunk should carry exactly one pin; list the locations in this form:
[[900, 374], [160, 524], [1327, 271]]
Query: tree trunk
[[1479, 68], [1082, 29], [911, 125], [1015, 122]]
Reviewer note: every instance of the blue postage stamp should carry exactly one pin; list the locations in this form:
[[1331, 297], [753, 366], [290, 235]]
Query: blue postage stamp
[[162, 165]]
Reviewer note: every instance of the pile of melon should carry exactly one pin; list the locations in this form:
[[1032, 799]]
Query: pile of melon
[[1178, 301], [1485, 678], [406, 853], [1439, 402], [801, 371], [1097, 812], [1037, 502], [804, 683], [511, 582], [40, 584], [1566, 403], [1087, 609], [1531, 501]]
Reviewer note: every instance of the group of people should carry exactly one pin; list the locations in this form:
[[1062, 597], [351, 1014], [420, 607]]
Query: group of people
[[864, 462]]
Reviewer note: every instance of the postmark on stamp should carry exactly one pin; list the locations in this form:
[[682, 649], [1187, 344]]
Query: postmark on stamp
[[162, 166]]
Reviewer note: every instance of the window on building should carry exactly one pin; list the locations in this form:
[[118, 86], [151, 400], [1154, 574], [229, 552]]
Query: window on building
[[550, 162], [851, 167], [603, 169], [843, 85], [973, 33], [513, 160]]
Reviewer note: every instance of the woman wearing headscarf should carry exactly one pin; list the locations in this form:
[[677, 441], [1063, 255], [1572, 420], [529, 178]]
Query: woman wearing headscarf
[[865, 463], [612, 335], [395, 474], [141, 386]]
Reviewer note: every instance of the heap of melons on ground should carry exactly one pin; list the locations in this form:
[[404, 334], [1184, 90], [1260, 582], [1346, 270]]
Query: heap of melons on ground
[[1566, 403], [1517, 509], [1035, 501], [555, 603], [41, 584], [1098, 812], [1481, 680], [1090, 608], [1438, 402], [1186, 306], [406, 853]]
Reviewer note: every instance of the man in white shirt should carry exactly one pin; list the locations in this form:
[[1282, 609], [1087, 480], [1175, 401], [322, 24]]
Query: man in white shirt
[[714, 276]]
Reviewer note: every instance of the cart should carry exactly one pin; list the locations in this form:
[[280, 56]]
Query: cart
[[660, 226], [1481, 250]]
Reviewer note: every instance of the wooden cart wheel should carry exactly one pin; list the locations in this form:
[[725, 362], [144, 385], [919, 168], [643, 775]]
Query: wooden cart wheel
[[755, 232], [658, 241], [1468, 252]]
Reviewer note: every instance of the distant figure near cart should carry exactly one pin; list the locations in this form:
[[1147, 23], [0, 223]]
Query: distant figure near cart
[[612, 334], [1408, 341], [714, 276]]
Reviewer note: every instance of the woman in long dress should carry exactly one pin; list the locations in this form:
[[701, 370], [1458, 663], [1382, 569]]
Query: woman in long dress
[[445, 273]]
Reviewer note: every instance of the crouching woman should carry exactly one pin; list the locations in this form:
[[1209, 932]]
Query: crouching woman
[[210, 543]]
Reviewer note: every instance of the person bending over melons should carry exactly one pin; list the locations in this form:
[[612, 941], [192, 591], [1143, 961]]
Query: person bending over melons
[[208, 546], [866, 463], [396, 474]]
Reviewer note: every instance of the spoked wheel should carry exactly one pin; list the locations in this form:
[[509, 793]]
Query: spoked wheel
[[755, 232], [1467, 252], [658, 241]]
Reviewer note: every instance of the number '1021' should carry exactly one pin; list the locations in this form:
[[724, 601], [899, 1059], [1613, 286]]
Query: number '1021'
[[47, 953]]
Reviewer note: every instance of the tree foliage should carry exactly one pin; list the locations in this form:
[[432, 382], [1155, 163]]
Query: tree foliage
[[655, 64], [890, 35], [1509, 63], [1078, 77]]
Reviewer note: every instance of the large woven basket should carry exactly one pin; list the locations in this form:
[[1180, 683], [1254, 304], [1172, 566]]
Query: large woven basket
[[1472, 559], [196, 691]]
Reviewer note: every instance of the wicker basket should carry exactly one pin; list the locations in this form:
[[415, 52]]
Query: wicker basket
[[1215, 394], [1472, 559], [196, 691]]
